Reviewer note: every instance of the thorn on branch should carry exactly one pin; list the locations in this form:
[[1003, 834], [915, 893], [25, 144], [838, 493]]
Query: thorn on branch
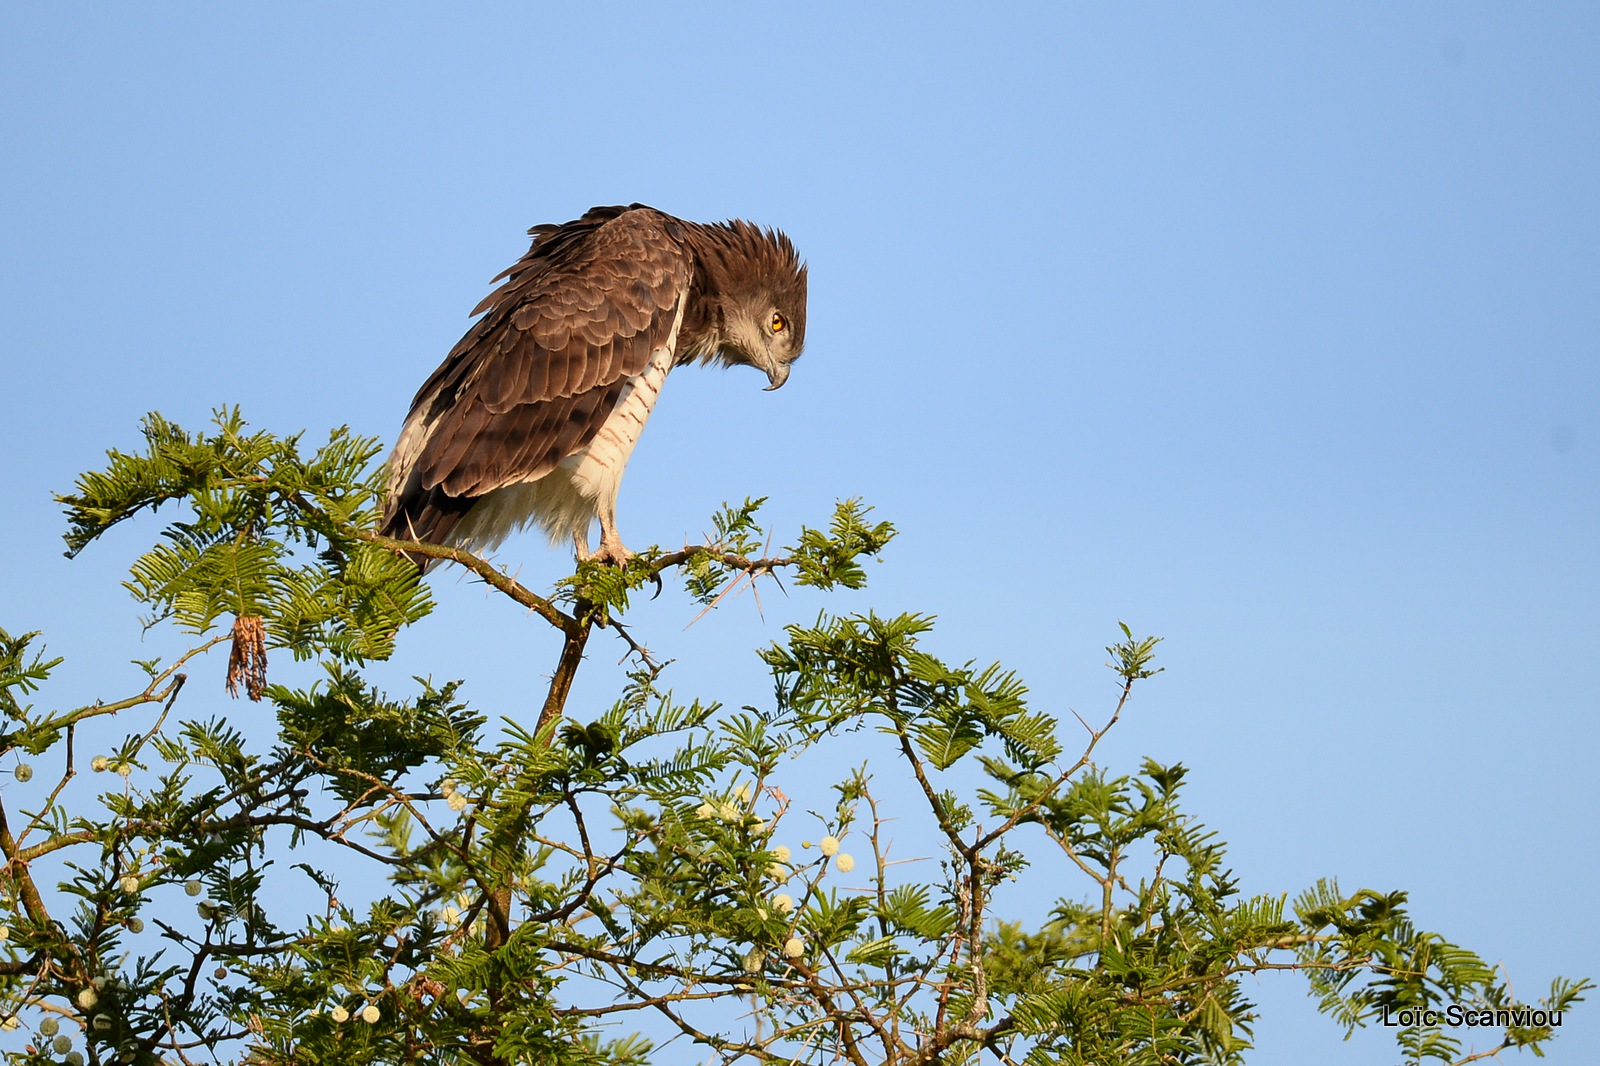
[[247, 661]]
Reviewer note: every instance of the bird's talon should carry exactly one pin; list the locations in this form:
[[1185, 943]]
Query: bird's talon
[[612, 555]]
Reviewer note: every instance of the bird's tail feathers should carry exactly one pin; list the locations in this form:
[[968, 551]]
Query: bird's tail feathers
[[428, 517]]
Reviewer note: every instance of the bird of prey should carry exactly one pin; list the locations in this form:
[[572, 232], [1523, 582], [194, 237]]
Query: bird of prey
[[533, 415]]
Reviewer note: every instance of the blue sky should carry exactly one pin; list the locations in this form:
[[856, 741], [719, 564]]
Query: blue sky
[[1272, 330]]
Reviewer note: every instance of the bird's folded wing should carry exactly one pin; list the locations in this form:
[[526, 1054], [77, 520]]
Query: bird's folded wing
[[534, 380]]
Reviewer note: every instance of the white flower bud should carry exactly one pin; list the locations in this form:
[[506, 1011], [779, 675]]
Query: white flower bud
[[194, 888], [778, 872], [830, 846], [62, 1044], [206, 910], [124, 769], [782, 853], [754, 960], [49, 1027], [129, 884], [784, 902], [456, 801], [339, 1014], [99, 764], [10, 1023], [88, 998], [135, 925], [23, 772], [370, 1014], [704, 811], [758, 827], [5, 933], [793, 948], [845, 863], [447, 786], [728, 812], [99, 984], [742, 793], [74, 1058], [102, 1022], [449, 915]]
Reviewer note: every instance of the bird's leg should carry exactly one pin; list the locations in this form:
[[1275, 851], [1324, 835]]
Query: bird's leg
[[611, 547], [580, 545]]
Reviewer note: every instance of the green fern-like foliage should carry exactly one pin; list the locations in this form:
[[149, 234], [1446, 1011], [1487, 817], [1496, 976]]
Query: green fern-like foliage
[[508, 885], [268, 533]]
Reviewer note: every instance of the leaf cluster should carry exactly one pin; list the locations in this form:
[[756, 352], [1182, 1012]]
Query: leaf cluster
[[269, 533]]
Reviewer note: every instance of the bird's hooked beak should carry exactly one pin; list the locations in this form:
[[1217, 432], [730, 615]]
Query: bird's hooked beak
[[777, 373]]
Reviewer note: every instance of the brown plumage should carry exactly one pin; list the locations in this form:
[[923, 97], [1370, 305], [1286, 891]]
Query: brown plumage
[[534, 412]]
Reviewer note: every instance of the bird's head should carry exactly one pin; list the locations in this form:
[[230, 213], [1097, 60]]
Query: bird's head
[[768, 335], [762, 285]]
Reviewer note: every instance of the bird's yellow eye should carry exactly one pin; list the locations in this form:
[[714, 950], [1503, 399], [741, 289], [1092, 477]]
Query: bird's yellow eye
[[778, 323]]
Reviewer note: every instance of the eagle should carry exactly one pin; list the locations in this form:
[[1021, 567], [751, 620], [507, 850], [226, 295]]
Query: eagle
[[534, 413]]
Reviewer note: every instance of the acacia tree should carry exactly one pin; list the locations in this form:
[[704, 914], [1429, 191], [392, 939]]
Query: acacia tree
[[548, 891]]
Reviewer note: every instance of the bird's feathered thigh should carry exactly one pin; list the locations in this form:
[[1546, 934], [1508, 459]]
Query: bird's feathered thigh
[[533, 414]]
